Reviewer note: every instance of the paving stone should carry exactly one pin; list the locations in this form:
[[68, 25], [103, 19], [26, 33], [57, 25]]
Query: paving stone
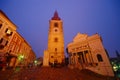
[[48, 73]]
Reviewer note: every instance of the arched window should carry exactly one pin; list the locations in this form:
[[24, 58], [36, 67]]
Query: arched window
[[56, 24], [56, 39], [99, 57], [55, 49]]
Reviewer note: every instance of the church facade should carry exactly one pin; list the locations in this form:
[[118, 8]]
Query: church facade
[[55, 50], [87, 52]]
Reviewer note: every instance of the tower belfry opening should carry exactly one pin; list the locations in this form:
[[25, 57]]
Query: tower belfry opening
[[55, 49]]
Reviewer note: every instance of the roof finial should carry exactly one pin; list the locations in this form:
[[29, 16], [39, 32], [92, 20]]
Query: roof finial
[[56, 17]]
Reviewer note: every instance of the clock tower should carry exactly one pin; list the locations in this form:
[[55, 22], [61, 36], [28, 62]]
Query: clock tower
[[55, 50]]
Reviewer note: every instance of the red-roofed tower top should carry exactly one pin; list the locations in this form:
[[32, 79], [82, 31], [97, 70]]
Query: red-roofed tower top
[[56, 17]]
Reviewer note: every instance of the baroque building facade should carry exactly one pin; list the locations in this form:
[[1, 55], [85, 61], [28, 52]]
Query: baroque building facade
[[19, 47], [55, 50], [87, 52], [13, 44], [7, 30]]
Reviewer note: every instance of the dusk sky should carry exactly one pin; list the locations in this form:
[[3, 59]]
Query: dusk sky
[[84, 16]]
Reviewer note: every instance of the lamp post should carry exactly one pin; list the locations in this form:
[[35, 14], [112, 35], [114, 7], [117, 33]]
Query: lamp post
[[21, 59], [35, 62]]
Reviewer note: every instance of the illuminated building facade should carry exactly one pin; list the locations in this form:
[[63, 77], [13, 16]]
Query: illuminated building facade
[[19, 47], [55, 51], [7, 30], [115, 61], [87, 52], [13, 44]]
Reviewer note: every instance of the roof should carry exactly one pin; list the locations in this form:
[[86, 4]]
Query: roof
[[80, 37], [56, 17], [6, 16]]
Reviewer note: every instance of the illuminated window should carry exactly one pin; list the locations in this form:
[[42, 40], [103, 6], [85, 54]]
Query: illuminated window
[[56, 24], [99, 57], [56, 39], [8, 32]]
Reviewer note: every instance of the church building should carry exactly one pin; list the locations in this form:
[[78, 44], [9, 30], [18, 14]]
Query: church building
[[55, 50], [87, 52]]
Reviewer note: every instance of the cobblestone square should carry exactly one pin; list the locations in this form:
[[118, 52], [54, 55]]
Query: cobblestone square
[[48, 73]]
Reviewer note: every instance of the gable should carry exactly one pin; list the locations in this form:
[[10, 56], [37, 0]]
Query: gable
[[80, 37]]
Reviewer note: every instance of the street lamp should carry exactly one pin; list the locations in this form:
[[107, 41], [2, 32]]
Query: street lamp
[[35, 62], [20, 57]]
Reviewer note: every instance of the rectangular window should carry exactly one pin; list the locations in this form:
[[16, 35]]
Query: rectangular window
[[1, 40], [56, 40], [86, 51], [0, 25], [56, 24], [8, 32], [1, 46], [6, 43], [55, 49], [3, 43], [99, 57], [74, 54]]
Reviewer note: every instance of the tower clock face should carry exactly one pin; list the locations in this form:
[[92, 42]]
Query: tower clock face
[[56, 30]]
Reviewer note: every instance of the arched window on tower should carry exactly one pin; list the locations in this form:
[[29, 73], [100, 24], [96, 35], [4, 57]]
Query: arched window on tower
[[99, 57], [56, 24], [55, 49], [56, 40]]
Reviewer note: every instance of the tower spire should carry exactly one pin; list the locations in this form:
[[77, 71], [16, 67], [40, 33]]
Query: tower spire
[[55, 49], [56, 17]]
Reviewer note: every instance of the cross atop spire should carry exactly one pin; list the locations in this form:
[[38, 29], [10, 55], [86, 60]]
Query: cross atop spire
[[56, 17]]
